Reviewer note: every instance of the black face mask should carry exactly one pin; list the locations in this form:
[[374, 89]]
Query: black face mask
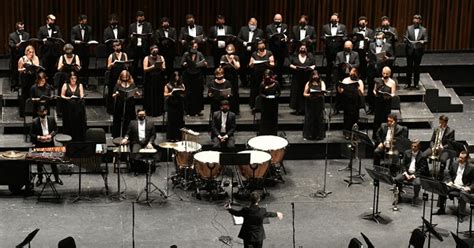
[[193, 51], [386, 77], [42, 116], [166, 26], [141, 118], [347, 50], [316, 78], [219, 78], [354, 77], [154, 53], [261, 49], [277, 24], [225, 110], [302, 24], [303, 51]]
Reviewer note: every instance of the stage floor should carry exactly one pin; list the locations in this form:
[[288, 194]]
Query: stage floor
[[329, 222]]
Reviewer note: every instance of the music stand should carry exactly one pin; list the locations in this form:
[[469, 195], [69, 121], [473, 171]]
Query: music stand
[[378, 177], [362, 137], [435, 187], [149, 159], [125, 94], [28, 239], [80, 151], [121, 149], [233, 159], [468, 199]]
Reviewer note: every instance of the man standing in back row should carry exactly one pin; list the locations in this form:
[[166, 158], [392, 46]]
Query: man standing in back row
[[416, 37]]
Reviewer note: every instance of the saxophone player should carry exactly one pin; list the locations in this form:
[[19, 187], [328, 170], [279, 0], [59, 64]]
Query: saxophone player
[[440, 139]]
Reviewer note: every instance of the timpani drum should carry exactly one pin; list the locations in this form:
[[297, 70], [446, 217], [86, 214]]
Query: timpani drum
[[207, 165], [184, 152], [275, 145], [258, 167]]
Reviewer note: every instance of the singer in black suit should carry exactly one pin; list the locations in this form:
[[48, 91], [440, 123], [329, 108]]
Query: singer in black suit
[[81, 34], [50, 50], [222, 133], [137, 139], [218, 46], [114, 32], [345, 61], [138, 46], [277, 44], [416, 37], [191, 32], [303, 33], [16, 50], [248, 36], [445, 136], [387, 135], [333, 35], [43, 130], [165, 38], [391, 34], [252, 231], [361, 43]]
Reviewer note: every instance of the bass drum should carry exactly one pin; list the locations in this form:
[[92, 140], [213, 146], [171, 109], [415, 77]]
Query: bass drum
[[258, 167], [184, 152], [207, 165]]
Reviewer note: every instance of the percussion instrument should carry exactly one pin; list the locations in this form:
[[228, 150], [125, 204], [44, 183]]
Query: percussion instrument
[[62, 138], [258, 167], [207, 165], [117, 141], [184, 152], [274, 145], [147, 151], [13, 155], [167, 145]]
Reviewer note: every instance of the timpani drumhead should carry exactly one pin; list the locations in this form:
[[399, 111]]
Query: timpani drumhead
[[267, 142]]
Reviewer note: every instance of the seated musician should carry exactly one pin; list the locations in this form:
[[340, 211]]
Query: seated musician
[[140, 134], [458, 179], [386, 136], [42, 134], [414, 165], [223, 127], [439, 143]]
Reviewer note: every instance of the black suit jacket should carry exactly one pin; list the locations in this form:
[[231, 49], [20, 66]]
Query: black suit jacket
[[167, 47], [14, 38], [76, 34], [36, 131], [310, 33], [393, 30], [147, 29], [332, 43], [217, 122], [278, 47], [49, 49], [467, 175], [184, 32], [421, 164], [353, 59], [369, 33], [252, 229], [387, 48], [243, 36], [410, 34], [448, 135], [109, 33], [213, 31], [132, 133], [400, 132]]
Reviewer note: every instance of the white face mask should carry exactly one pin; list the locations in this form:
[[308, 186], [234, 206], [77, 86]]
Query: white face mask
[[252, 27]]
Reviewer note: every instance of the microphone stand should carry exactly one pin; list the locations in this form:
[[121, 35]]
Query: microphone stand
[[293, 223]]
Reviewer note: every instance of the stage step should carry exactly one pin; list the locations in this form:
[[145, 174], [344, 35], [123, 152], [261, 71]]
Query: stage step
[[438, 98]]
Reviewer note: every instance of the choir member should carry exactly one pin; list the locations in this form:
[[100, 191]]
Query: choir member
[[74, 112], [15, 40], [81, 35], [269, 93], [380, 54], [313, 128], [277, 34], [40, 92], [384, 90], [351, 90], [139, 34], [445, 135], [114, 32], [223, 128], [51, 36], [416, 37], [218, 90], [391, 34], [43, 130], [115, 65], [28, 65], [386, 137], [191, 33], [174, 92], [303, 33], [231, 64], [302, 64], [345, 61], [124, 107], [154, 66], [220, 35], [248, 36], [68, 62], [166, 37], [261, 60], [362, 36], [333, 35], [194, 63]]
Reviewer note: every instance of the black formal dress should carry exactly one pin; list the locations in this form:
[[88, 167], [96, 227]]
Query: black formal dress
[[252, 231], [74, 115], [114, 74], [313, 128], [298, 81], [217, 95], [153, 88], [62, 76], [38, 92], [175, 112], [383, 104], [27, 80], [120, 113], [232, 75], [269, 98], [351, 103], [257, 75], [37, 130], [193, 81]]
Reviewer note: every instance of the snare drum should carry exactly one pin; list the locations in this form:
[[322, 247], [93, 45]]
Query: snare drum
[[184, 152], [207, 164], [258, 167], [275, 145]]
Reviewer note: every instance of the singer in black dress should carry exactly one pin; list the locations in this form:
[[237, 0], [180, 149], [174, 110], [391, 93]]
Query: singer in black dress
[[27, 68], [74, 112], [114, 69], [124, 107], [261, 60], [269, 93], [216, 90], [154, 67], [39, 90], [302, 65], [351, 89], [231, 64], [174, 93], [313, 127], [193, 63], [68, 62], [384, 90]]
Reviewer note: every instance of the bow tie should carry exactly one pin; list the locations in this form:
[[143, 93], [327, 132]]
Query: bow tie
[[417, 27], [50, 28], [191, 27], [334, 25], [362, 29], [303, 28], [140, 24], [220, 27], [83, 28]]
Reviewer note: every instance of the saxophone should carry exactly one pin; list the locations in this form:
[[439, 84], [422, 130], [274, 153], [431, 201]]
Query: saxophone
[[435, 149]]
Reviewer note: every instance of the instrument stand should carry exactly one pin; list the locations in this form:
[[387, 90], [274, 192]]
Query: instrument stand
[[349, 181], [168, 176], [293, 223], [376, 214], [120, 195], [149, 185], [48, 184], [79, 193], [434, 187]]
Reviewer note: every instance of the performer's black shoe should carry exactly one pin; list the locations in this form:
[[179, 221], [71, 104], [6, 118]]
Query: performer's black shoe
[[440, 211], [407, 87], [58, 181]]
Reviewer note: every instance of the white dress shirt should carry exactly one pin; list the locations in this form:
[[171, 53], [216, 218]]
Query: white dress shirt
[[83, 33], [224, 121], [44, 126], [412, 167], [458, 179], [417, 32], [348, 55], [139, 31], [141, 130], [302, 34], [333, 30], [115, 31], [192, 31], [166, 33], [389, 137]]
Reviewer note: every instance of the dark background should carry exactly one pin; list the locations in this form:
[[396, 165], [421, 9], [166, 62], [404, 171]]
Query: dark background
[[450, 22]]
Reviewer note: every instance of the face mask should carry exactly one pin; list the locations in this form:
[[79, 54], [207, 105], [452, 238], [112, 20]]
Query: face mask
[[353, 77], [347, 50], [117, 49], [193, 51], [261, 49], [219, 78], [303, 51], [316, 78], [334, 22], [166, 26], [225, 110], [191, 23], [379, 42], [154, 53], [141, 118], [252, 27], [302, 24], [42, 116], [362, 25], [277, 23], [385, 77]]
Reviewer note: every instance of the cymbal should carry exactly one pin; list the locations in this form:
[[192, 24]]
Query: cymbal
[[13, 154], [167, 145]]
